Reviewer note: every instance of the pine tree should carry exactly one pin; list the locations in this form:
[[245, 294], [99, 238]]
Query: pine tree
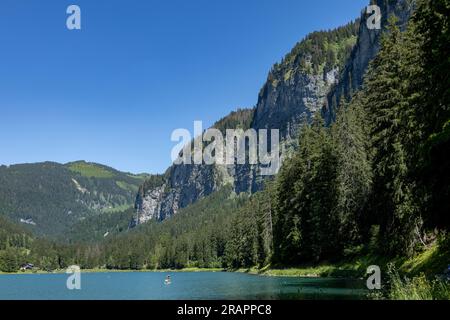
[[9, 260], [354, 172], [304, 227], [432, 105], [394, 200]]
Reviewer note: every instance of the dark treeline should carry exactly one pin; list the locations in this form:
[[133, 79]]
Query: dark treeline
[[376, 181]]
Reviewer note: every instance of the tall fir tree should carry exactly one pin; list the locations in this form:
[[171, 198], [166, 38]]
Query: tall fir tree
[[394, 202]]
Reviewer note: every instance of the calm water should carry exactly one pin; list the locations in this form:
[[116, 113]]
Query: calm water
[[188, 286]]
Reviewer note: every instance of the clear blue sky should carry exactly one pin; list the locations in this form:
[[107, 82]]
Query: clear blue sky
[[113, 92]]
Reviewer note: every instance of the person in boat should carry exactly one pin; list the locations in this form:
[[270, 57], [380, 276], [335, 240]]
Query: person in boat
[[167, 281]]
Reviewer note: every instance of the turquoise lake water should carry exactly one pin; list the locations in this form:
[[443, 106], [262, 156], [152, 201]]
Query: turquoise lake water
[[184, 286]]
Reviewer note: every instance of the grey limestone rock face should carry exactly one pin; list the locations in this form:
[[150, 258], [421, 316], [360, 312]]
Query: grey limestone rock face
[[285, 105], [183, 185], [366, 48]]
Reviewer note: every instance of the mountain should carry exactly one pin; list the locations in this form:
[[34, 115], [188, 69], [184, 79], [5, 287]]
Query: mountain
[[296, 88], [353, 192], [321, 70], [323, 67], [162, 196], [49, 198]]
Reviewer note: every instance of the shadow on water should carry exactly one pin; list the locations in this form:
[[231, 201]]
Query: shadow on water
[[314, 289]]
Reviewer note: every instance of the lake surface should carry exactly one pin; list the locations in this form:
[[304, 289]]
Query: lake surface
[[184, 286]]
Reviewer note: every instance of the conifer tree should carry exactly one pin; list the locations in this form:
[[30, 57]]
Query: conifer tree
[[432, 105], [354, 172], [394, 201]]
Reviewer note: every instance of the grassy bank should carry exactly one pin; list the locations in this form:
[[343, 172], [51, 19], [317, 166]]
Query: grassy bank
[[323, 270], [415, 278], [415, 288]]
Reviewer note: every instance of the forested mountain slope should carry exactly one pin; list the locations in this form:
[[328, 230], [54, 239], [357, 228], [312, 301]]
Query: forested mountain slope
[[49, 198], [375, 183], [311, 78]]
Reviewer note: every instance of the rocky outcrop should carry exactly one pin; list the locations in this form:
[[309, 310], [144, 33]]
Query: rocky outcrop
[[285, 104], [312, 78], [181, 186], [150, 203], [366, 48]]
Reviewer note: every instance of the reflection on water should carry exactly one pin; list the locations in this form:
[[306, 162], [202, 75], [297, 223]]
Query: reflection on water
[[184, 286]]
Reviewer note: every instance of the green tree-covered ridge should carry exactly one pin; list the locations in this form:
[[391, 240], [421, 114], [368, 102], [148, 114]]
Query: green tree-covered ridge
[[317, 54], [53, 197]]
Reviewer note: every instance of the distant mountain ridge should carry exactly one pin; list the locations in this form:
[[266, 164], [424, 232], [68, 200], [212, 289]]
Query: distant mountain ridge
[[49, 198]]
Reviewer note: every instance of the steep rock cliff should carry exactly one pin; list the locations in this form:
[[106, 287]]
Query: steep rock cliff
[[366, 48]]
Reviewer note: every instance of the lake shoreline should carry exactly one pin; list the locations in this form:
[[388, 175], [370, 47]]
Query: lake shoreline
[[429, 262], [187, 270], [306, 272]]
